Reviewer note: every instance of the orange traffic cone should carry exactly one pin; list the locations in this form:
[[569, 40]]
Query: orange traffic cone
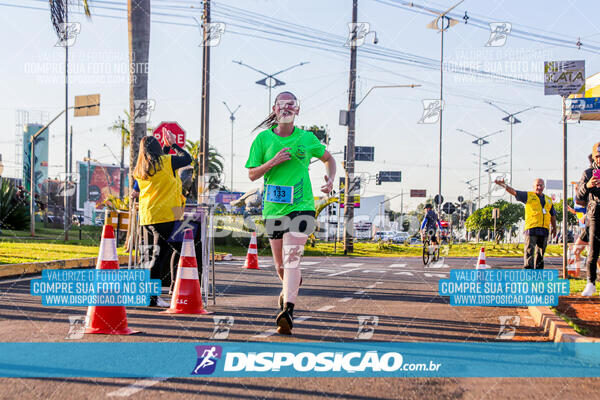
[[481, 260], [252, 256], [187, 298], [109, 320]]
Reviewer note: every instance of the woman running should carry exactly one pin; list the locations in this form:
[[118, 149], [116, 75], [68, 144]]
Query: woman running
[[161, 201], [282, 154]]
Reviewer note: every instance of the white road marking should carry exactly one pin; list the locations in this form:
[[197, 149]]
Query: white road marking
[[359, 292], [352, 264], [380, 271], [266, 333], [300, 319], [404, 273], [439, 265], [135, 387], [325, 270], [325, 308], [442, 275], [345, 299], [372, 286], [397, 265], [309, 262], [343, 272]]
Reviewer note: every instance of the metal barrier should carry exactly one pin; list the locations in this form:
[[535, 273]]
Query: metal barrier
[[201, 216]]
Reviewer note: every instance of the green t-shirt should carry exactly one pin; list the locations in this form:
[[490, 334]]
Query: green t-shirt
[[293, 172]]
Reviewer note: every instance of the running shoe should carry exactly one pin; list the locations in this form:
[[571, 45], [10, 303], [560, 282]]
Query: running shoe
[[285, 320], [157, 301], [589, 290]]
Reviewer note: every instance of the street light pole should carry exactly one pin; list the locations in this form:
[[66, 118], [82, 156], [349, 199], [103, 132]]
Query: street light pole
[[270, 78], [479, 141], [349, 162], [232, 118], [510, 118], [441, 24]]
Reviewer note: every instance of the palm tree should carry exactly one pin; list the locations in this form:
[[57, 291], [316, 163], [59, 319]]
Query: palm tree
[[138, 22], [58, 13], [122, 125], [215, 167]]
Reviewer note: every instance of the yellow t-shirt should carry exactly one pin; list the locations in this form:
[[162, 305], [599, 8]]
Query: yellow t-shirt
[[160, 196]]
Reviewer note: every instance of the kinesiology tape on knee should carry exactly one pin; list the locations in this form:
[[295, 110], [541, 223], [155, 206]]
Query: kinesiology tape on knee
[[292, 255]]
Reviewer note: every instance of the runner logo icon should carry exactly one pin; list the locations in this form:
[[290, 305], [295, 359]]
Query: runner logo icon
[[207, 359]]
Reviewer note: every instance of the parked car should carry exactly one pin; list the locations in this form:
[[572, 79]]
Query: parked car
[[401, 237], [383, 235]]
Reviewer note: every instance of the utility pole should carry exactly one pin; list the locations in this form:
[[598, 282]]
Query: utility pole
[[66, 199], [204, 113], [122, 169], [71, 151], [232, 118], [87, 197], [565, 214], [70, 174], [349, 167]]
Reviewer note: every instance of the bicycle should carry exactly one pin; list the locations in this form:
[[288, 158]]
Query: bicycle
[[429, 251]]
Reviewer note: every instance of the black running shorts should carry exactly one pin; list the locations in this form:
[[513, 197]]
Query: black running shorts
[[296, 221]]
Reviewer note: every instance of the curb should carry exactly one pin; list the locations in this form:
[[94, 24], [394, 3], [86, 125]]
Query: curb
[[11, 270], [556, 328]]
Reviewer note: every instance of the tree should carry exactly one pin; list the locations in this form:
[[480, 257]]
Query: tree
[[510, 215], [558, 207], [138, 23], [14, 209], [123, 124], [58, 14]]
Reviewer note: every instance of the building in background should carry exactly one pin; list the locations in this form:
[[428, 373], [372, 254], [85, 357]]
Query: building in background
[[40, 157]]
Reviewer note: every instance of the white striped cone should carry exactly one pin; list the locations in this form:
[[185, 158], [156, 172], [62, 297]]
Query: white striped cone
[[110, 320], [481, 260], [252, 256], [187, 298]]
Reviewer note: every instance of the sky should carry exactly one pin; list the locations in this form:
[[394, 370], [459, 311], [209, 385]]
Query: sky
[[264, 34]]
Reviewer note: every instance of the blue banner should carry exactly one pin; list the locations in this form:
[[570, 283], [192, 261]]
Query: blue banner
[[306, 359], [503, 288], [95, 287]]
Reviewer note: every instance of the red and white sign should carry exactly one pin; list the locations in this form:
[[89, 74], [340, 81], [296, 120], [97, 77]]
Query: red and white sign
[[175, 130], [418, 193]]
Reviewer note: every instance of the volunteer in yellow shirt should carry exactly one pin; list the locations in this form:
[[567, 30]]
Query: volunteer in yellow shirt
[[539, 215], [160, 201]]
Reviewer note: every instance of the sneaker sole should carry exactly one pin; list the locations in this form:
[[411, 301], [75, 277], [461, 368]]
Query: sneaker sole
[[284, 326]]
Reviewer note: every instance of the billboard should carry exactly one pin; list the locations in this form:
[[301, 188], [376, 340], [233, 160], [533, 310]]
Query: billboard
[[40, 159], [224, 199], [104, 180]]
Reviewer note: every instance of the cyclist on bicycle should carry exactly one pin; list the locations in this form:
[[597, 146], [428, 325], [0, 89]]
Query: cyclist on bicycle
[[430, 224]]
